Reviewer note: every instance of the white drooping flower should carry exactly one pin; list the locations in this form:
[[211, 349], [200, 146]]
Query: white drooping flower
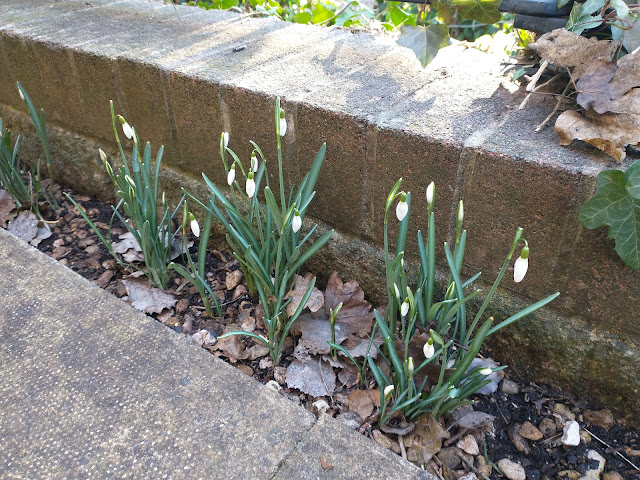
[[430, 193], [485, 371], [231, 176], [404, 309], [225, 139], [521, 265], [388, 390], [251, 185], [410, 366], [283, 123], [195, 226], [402, 208], [428, 349], [296, 223], [254, 161], [397, 292], [103, 156], [126, 128]]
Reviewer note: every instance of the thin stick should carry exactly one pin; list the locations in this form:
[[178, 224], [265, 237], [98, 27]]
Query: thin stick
[[609, 446], [536, 89], [555, 109], [474, 469], [536, 77], [322, 378], [403, 452]]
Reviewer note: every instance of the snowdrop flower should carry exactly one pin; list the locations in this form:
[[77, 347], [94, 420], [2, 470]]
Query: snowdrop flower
[[231, 176], [251, 185], [254, 161], [195, 226], [404, 309], [126, 128], [521, 265], [225, 139], [103, 156], [283, 123], [460, 212], [430, 192], [410, 365], [485, 371], [296, 223], [388, 390], [395, 287], [402, 208], [428, 349]]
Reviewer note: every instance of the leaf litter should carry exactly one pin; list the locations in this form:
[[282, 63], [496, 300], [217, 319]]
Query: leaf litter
[[446, 449]]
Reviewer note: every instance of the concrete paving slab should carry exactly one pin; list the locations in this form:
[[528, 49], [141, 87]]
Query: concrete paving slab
[[350, 456], [91, 388]]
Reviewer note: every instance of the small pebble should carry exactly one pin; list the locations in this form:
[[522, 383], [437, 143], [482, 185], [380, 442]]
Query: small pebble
[[530, 432], [562, 410], [510, 387], [601, 418], [279, 374], [233, 279], [469, 476], [547, 427], [469, 445], [450, 457], [520, 443], [612, 476], [512, 470], [571, 434]]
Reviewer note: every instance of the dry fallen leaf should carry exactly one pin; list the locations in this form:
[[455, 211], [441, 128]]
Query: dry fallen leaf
[[24, 226], [42, 234], [233, 348], [6, 206], [606, 82], [609, 132], [146, 298], [475, 420], [563, 48], [324, 464], [314, 377], [356, 314], [316, 330], [316, 300], [363, 402]]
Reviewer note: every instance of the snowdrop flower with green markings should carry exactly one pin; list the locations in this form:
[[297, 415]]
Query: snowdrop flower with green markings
[[231, 176], [428, 349], [103, 156], [430, 191], [254, 161], [296, 223], [521, 265], [225, 139], [402, 208], [251, 185], [485, 371], [283, 123], [404, 309], [195, 226]]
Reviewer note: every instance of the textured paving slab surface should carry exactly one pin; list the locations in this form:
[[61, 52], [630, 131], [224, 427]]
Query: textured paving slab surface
[[91, 388]]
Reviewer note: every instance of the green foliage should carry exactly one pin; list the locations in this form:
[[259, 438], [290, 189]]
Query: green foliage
[[484, 11], [453, 341], [147, 219], [425, 41], [617, 205], [263, 236]]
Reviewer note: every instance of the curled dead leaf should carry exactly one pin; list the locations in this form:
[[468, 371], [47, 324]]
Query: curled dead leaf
[[146, 298], [316, 300], [324, 464], [24, 226]]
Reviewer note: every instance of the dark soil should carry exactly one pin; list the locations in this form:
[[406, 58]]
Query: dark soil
[[75, 245]]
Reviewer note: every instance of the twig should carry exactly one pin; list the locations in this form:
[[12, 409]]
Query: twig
[[403, 452], [609, 446], [322, 378], [536, 89], [474, 469], [536, 77], [555, 109]]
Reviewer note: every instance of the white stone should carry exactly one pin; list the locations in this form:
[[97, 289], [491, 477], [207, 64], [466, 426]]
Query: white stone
[[469, 445], [571, 434], [594, 473], [512, 470]]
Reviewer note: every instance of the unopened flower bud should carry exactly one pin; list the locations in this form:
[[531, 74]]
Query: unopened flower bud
[[296, 223], [103, 156], [485, 371], [195, 226], [251, 185], [21, 94], [254, 161], [231, 176], [460, 212], [430, 193], [410, 365], [283, 123], [402, 208], [428, 349], [404, 309], [521, 265], [388, 390], [225, 139]]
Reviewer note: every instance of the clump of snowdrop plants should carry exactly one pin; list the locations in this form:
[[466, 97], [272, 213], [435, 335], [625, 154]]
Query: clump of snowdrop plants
[[450, 341], [266, 235], [145, 212]]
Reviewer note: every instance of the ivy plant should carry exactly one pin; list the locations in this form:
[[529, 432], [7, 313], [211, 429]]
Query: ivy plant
[[617, 204]]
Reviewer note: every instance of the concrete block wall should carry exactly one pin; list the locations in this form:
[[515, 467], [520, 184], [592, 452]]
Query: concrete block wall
[[182, 75]]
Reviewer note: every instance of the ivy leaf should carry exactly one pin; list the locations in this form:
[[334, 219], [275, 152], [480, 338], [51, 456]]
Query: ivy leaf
[[425, 42], [562, 3], [398, 16], [483, 11], [581, 17], [617, 204]]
